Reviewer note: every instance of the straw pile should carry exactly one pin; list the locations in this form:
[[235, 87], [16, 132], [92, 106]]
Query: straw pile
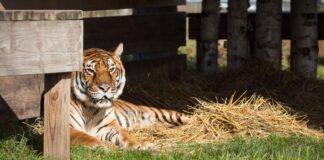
[[245, 117]]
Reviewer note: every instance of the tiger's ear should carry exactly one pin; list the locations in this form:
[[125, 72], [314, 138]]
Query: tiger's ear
[[119, 50]]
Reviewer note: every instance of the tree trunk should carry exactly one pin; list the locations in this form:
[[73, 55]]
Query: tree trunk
[[268, 46], [207, 53], [304, 38], [237, 50]]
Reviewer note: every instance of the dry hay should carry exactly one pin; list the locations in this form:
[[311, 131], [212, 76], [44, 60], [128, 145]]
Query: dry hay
[[245, 117]]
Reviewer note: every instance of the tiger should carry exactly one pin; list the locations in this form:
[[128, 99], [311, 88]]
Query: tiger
[[98, 116]]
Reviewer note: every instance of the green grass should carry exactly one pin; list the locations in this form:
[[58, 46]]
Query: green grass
[[273, 147], [21, 144], [320, 71]]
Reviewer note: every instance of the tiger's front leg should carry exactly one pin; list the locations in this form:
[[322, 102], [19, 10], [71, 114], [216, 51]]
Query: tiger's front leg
[[113, 133], [82, 138]]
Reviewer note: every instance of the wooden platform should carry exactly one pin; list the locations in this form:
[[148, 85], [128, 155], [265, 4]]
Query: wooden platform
[[37, 43]]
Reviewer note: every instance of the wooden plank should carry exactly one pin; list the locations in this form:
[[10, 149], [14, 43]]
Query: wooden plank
[[21, 95], [237, 42], [23, 15], [207, 52], [34, 47], [56, 115], [88, 4], [140, 34], [194, 21]]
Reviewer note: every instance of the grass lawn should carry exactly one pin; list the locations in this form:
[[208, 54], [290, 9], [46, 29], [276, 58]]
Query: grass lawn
[[20, 147]]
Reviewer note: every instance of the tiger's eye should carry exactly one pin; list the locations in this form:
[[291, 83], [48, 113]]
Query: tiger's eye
[[90, 70], [112, 69]]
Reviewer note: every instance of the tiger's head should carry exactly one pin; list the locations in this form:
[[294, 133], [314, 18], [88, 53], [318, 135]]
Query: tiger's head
[[102, 79]]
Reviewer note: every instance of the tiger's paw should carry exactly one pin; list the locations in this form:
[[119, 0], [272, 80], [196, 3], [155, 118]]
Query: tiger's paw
[[142, 146]]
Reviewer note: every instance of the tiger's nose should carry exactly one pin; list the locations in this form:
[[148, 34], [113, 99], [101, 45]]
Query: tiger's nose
[[105, 87]]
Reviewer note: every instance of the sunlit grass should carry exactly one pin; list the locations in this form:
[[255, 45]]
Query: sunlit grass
[[295, 147]]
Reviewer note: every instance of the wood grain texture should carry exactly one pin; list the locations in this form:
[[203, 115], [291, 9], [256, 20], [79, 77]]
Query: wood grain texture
[[20, 15], [140, 34], [56, 115], [21, 95], [35, 47], [88, 4]]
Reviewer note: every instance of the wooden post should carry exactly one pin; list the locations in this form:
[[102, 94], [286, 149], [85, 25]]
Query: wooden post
[[268, 46], [207, 49], [304, 38], [56, 115], [237, 27]]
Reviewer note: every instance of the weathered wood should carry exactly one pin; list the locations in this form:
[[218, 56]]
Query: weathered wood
[[140, 34], [88, 4], [35, 47], [190, 8], [207, 49], [268, 32], [37, 15], [107, 13], [194, 25], [56, 115], [22, 95], [304, 38], [237, 48]]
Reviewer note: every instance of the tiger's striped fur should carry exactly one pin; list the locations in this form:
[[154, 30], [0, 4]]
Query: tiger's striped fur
[[97, 116]]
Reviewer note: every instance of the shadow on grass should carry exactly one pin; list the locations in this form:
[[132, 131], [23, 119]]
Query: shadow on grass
[[14, 130], [321, 60]]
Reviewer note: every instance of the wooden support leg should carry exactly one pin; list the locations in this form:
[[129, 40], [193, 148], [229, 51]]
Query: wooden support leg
[[56, 115], [209, 28]]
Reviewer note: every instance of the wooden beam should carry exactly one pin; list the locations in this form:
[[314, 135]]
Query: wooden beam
[[39, 15], [88, 4], [140, 34], [56, 116], [194, 25]]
